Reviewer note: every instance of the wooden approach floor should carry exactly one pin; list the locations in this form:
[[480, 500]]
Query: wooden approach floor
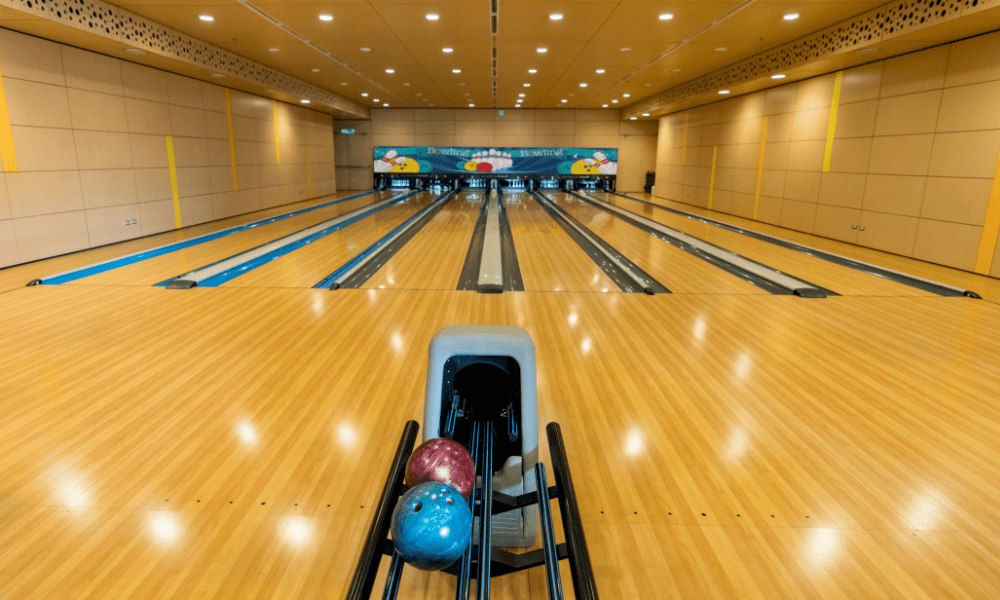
[[232, 442]]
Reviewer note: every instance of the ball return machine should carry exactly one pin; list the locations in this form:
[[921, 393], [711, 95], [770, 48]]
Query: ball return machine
[[481, 393]]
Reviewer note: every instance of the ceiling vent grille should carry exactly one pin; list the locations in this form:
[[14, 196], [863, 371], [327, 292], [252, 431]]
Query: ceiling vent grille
[[494, 17]]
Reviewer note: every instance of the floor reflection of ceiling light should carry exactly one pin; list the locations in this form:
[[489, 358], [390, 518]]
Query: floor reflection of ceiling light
[[163, 527]]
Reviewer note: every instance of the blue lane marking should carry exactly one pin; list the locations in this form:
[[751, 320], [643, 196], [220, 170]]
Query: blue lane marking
[[147, 254], [233, 273], [267, 243], [329, 279]]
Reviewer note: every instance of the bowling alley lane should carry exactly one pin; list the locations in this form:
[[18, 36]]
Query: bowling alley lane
[[679, 271], [433, 258], [840, 279], [550, 260], [310, 264], [172, 264]]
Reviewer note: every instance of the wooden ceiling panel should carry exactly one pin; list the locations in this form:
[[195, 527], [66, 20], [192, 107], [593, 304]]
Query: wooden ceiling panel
[[458, 24], [358, 23], [764, 24], [639, 24], [530, 23]]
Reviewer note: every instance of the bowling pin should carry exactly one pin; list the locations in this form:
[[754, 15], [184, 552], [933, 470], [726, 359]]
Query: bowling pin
[[384, 164], [606, 167]]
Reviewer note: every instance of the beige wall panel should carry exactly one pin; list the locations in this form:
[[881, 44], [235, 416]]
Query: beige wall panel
[[244, 128], [155, 217], [594, 128], [36, 104], [523, 128], [474, 140], [741, 108], [950, 244], [908, 114], [597, 141], [143, 82], [772, 183], [802, 186], [343, 179], [895, 194], [361, 154], [222, 179], [965, 154], [775, 155], [956, 200], [434, 128], [814, 93], [891, 233], [917, 72], [546, 115], [637, 127], [846, 190], [725, 178], [809, 124], [190, 151], [800, 216], [770, 210], [89, 71], [249, 153], [108, 187], [42, 193], [216, 126], [5, 211], [361, 180], [393, 127], [970, 108], [152, 185], [433, 114], [390, 139], [861, 83], [565, 128], [779, 128], [194, 181], [598, 115], [197, 209], [147, 117], [8, 245], [974, 61], [186, 121], [710, 135], [514, 140], [856, 119], [780, 100], [806, 156], [225, 204], [249, 176], [427, 139], [218, 153], [381, 115], [741, 204], [249, 200], [704, 177], [97, 111], [214, 98], [901, 155], [30, 59], [107, 225], [837, 222], [851, 155], [520, 114], [341, 150], [744, 180], [269, 175], [185, 91], [995, 272], [270, 196], [50, 235], [41, 149]]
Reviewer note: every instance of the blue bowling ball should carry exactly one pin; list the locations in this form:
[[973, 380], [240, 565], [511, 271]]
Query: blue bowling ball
[[431, 526]]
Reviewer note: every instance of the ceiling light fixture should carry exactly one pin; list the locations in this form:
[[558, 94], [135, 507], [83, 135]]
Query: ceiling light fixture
[[447, 50], [432, 17], [456, 70], [666, 17], [521, 95], [304, 101], [555, 17], [390, 71], [645, 114], [723, 92], [721, 49], [364, 95], [374, 99], [614, 102], [315, 70], [604, 106], [778, 76], [633, 118], [407, 84], [626, 95], [532, 71], [366, 49], [542, 50], [206, 18], [600, 71], [272, 49], [343, 83], [527, 85], [626, 49], [386, 105], [472, 106], [138, 51], [326, 17], [583, 85], [791, 16], [564, 100], [677, 70]]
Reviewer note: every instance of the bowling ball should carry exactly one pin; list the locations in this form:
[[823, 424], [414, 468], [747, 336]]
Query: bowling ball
[[431, 526], [470, 166], [484, 167], [444, 461]]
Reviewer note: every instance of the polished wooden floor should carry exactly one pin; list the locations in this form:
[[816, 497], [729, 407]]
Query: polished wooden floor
[[232, 442]]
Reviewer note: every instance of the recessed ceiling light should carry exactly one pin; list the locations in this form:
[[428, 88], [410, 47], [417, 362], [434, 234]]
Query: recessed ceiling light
[[666, 17], [517, 106], [343, 83], [633, 118], [218, 75], [723, 92], [527, 85], [138, 51], [778, 76], [390, 71], [604, 106], [326, 17], [366, 49], [556, 17], [645, 114], [374, 99], [456, 70], [614, 102], [272, 49], [532, 71], [432, 17], [677, 70], [520, 100], [304, 101], [583, 85], [791, 16], [543, 50], [721, 49], [521, 95], [600, 71], [447, 50], [564, 100], [647, 84], [626, 49], [364, 95], [626, 95], [315, 70], [406, 84], [385, 105], [472, 106], [207, 18], [461, 84]]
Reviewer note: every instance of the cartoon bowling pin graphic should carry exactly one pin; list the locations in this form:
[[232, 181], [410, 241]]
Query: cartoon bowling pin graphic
[[606, 167], [385, 164]]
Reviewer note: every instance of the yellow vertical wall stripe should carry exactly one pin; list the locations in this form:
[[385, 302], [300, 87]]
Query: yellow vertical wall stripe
[[232, 140], [309, 173], [832, 126], [6, 135], [684, 146], [277, 150], [173, 181], [711, 183], [991, 228], [760, 170]]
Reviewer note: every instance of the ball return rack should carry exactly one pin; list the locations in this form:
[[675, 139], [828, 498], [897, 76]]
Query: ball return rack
[[481, 560]]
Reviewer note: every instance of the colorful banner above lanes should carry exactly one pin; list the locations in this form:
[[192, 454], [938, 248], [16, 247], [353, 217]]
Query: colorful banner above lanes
[[496, 161]]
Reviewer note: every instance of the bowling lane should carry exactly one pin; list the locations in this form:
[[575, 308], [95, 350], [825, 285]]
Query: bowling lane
[[309, 265], [843, 280], [549, 258], [161, 268], [433, 258], [681, 272]]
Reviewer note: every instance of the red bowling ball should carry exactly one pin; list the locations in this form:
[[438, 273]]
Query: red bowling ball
[[444, 461]]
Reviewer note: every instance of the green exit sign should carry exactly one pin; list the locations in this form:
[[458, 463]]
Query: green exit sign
[[347, 131]]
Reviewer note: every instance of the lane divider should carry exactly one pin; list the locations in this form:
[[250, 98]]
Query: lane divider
[[941, 289], [227, 269], [762, 276], [115, 263], [359, 269]]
